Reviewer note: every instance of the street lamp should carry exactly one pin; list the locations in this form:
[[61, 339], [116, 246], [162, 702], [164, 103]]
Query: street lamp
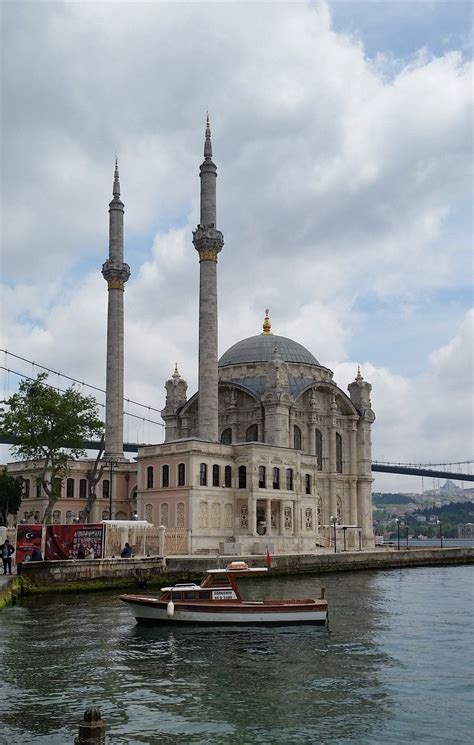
[[334, 521], [439, 524], [407, 536], [398, 533]]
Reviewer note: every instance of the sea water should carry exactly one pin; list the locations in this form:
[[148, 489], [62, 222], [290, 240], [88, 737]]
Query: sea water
[[396, 666]]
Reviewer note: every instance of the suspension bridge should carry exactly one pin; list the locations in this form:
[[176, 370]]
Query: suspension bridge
[[457, 471]]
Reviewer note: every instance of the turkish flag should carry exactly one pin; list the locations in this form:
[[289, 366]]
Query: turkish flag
[[269, 559]]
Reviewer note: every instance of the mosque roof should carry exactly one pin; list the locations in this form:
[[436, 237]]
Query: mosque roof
[[260, 349]]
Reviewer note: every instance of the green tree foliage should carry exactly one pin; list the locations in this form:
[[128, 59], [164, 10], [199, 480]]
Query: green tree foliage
[[381, 499], [50, 428], [11, 490]]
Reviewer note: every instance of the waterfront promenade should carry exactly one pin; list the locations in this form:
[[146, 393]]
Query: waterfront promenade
[[102, 574]]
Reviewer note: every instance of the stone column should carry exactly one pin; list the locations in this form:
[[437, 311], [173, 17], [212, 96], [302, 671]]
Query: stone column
[[252, 502], [268, 516], [116, 273]]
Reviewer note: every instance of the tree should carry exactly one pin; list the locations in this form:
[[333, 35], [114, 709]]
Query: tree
[[93, 477], [11, 490], [50, 428]]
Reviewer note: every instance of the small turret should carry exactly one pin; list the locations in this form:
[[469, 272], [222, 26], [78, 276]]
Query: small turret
[[176, 388], [359, 391]]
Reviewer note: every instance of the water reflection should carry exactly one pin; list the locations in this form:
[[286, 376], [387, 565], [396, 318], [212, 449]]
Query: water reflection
[[225, 685]]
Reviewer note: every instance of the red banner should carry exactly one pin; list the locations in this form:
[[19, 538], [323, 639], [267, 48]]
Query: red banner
[[28, 538], [74, 542]]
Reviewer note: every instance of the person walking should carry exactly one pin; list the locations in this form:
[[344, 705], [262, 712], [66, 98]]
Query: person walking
[[6, 550]]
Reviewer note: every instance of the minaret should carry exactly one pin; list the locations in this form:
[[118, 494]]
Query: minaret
[[116, 273], [208, 242]]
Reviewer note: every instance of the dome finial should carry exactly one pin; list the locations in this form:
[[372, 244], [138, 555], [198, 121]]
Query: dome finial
[[267, 326], [359, 376]]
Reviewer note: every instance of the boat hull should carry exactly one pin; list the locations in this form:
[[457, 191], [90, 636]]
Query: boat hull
[[249, 614]]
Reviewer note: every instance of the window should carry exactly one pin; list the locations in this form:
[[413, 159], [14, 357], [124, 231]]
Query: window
[[307, 483], [226, 437], [70, 488], [82, 489], [296, 438], [262, 477], [228, 477], [319, 449], [57, 486], [164, 514], [105, 489], [289, 479], [105, 515], [165, 476], [181, 474], [26, 488], [276, 478], [215, 475], [252, 433], [56, 517], [180, 515], [242, 477], [38, 489], [149, 477], [338, 453], [203, 474]]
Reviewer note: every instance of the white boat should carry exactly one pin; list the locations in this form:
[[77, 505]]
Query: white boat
[[217, 600]]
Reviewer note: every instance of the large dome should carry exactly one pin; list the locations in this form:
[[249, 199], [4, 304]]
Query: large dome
[[260, 349]]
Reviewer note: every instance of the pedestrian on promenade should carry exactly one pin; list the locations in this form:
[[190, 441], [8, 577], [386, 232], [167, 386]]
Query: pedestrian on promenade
[[6, 550], [126, 551]]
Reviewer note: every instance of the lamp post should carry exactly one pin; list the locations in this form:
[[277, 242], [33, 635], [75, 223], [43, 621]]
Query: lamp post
[[407, 536], [439, 524], [334, 521], [344, 528], [398, 533]]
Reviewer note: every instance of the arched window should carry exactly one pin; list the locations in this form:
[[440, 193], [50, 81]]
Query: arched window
[[56, 517], [215, 475], [181, 474], [262, 477], [83, 489], [226, 436], [228, 477], [242, 477], [252, 433], [338, 453], [276, 478], [319, 449], [105, 515], [70, 488], [105, 489], [26, 488], [38, 488], [149, 477], [289, 479], [149, 513], [307, 483], [164, 514], [297, 437], [180, 515], [203, 474], [165, 476], [339, 513]]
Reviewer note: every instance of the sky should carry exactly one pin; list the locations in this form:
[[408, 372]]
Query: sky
[[342, 133]]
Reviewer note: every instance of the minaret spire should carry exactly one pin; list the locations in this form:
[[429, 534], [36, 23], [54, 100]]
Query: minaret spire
[[116, 273], [208, 243]]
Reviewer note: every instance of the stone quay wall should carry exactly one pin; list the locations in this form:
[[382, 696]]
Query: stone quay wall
[[103, 574]]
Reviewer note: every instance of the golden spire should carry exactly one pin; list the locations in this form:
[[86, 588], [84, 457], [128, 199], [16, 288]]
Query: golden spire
[[267, 326]]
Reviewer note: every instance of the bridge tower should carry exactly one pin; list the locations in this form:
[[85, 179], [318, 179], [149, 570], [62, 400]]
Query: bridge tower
[[116, 273]]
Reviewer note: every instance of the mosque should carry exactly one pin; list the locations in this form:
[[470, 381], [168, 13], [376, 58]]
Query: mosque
[[268, 452]]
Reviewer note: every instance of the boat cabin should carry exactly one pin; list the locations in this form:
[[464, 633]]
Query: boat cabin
[[219, 584]]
